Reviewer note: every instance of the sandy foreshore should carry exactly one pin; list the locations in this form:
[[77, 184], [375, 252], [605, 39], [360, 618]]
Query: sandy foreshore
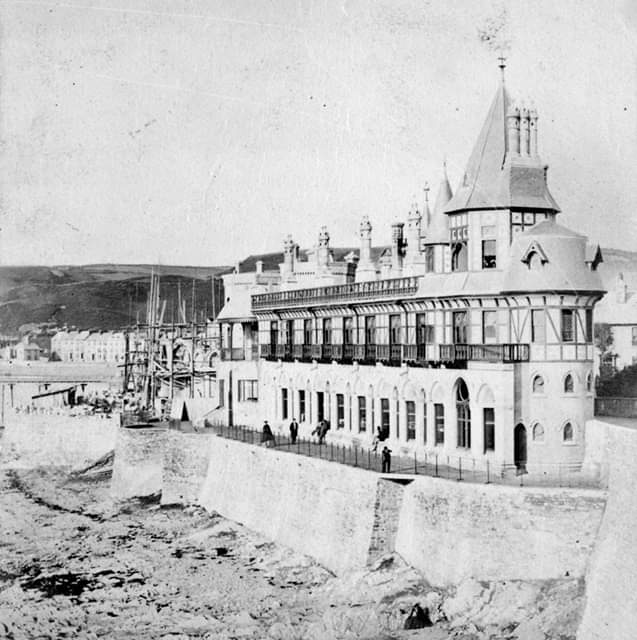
[[73, 564]]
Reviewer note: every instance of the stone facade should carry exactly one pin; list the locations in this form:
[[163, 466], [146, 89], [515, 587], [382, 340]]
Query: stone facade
[[476, 321]]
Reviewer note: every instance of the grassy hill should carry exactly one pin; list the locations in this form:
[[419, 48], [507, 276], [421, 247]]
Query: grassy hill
[[111, 296], [106, 296]]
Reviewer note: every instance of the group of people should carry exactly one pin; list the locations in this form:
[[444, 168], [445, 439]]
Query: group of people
[[268, 440]]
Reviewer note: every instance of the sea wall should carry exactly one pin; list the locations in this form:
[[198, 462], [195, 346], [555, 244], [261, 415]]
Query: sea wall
[[611, 582], [33, 439], [322, 509], [185, 466], [452, 531], [138, 464]]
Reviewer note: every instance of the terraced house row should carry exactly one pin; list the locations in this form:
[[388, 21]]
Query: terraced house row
[[470, 335]]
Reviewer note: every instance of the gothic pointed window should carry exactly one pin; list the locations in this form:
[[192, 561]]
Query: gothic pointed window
[[463, 412]]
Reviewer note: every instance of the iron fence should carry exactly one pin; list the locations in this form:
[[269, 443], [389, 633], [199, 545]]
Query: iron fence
[[616, 407], [404, 463]]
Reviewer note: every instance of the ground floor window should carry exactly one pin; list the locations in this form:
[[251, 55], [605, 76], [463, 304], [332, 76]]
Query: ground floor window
[[284, 404], [340, 411], [384, 416], [488, 419], [302, 405], [439, 418], [222, 392], [397, 419], [248, 390], [410, 411], [424, 422], [362, 413]]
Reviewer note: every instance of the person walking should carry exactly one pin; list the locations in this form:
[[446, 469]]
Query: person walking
[[267, 437], [386, 460], [294, 430]]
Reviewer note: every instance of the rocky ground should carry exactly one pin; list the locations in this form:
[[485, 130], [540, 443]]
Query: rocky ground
[[73, 564]]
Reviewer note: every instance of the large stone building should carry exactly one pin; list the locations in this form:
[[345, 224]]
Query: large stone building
[[470, 337]]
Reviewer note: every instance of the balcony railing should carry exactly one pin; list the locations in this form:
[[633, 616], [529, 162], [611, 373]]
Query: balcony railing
[[360, 291], [396, 354], [484, 352], [239, 353]]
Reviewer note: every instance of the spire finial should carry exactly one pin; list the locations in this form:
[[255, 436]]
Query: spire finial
[[502, 64], [426, 190]]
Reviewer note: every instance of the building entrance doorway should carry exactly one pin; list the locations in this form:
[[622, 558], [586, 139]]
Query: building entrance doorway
[[320, 405], [519, 448]]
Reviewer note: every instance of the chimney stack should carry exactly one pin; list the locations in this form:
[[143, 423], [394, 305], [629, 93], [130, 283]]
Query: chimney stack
[[524, 132], [414, 222], [533, 118], [513, 130], [289, 254], [323, 252], [397, 246]]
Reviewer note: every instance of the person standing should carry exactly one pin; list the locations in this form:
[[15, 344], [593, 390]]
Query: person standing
[[386, 460], [267, 437], [294, 430]]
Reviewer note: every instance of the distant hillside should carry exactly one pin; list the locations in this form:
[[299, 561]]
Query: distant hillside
[[110, 296], [106, 296]]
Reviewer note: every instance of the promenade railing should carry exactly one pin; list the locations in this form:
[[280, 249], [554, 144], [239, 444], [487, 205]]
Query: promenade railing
[[616, 407], [402, 463]]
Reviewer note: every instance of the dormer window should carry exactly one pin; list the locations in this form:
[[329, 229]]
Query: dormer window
[[534, 256]]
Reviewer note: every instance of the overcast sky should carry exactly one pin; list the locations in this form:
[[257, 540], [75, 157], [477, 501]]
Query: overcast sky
[[198, 132]]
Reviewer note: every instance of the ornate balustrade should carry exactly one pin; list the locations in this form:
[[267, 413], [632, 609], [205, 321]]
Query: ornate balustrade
[[336, 294]]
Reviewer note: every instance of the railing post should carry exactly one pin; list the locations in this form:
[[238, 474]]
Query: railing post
[[331, 451], [369, 459], [355, 456], [487, 471], [436, 465], [448, 468], [415, 464], [459, 468]]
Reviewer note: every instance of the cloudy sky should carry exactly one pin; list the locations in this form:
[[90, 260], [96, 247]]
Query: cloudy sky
[[197, 132]]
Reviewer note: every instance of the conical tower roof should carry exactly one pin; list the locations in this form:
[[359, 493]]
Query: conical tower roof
[[495, 180], [438, 229]]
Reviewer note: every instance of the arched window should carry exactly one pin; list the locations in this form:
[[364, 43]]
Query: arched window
[[459, 257], [589, 382], [567, 432], [538, 433], [463, 412], [569, 385], [538, 384]]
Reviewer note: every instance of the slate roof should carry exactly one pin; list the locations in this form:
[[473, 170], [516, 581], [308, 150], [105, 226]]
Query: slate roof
[[494, 180]]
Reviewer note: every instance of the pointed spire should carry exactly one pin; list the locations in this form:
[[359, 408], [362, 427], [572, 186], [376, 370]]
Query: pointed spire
[[438, 228], [426, 211], [444, 191]]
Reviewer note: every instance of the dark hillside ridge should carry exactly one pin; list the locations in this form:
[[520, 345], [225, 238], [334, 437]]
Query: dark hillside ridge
[[112, 296]]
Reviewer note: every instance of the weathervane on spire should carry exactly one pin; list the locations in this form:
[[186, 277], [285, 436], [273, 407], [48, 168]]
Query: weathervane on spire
[[502, 63]]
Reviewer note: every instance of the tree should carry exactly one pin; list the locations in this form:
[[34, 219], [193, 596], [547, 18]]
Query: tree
[[603, 336]]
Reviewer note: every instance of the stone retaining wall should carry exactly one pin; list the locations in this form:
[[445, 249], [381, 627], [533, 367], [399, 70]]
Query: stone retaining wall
[[34, 440], [185, 466], [138, 464], [452, 531], [322, 509], [611, 582]]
